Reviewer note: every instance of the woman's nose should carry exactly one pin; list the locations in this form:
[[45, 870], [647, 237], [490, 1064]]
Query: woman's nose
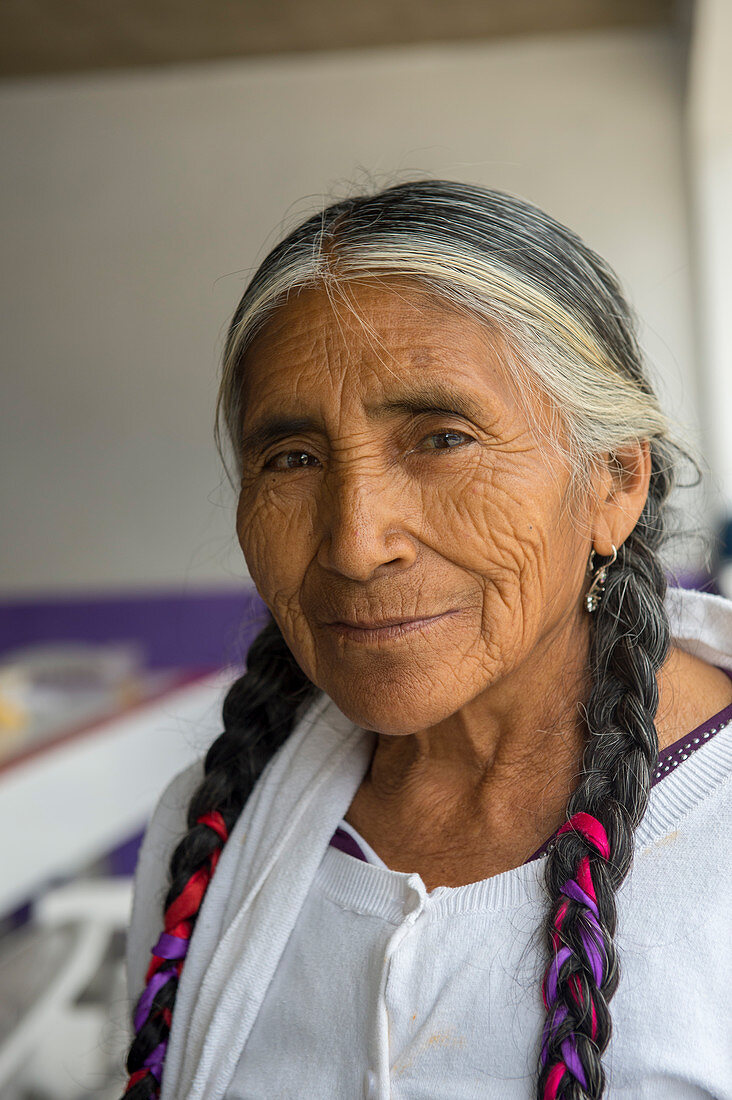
[[365, 526]]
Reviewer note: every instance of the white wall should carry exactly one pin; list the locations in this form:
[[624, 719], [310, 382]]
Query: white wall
[[135, 204], [709, 120]]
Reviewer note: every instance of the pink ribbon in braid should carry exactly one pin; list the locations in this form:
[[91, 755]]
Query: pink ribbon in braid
[[580, 889]]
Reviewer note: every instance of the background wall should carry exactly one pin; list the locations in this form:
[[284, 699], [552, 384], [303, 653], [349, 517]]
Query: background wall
[[135, 206], [709, 159]]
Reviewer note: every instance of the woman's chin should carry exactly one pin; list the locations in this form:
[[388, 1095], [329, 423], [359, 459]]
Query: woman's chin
[[386, 709]]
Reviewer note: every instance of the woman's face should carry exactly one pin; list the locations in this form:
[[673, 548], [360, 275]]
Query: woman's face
[[398, 516]]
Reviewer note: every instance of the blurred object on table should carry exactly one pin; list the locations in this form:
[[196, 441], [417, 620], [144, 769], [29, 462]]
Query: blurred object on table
[[48, 688]]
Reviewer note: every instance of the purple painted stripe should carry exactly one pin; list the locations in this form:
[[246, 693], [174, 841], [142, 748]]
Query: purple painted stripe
[[175, 629]]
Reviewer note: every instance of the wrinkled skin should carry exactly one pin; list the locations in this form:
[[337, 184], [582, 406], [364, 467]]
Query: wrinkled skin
[[371, 511]]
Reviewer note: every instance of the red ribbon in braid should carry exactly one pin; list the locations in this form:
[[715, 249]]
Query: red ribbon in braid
[[173, 945]]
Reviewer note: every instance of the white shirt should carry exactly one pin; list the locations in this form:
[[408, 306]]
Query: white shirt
[[382, 989]]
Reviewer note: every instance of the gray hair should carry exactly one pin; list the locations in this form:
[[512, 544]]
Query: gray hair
[[556, 302]]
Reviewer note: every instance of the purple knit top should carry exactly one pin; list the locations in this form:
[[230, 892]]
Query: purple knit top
[[669, 760]]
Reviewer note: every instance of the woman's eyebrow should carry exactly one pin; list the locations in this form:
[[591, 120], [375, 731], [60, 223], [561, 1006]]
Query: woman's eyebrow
[[432, 397], [273, 428]]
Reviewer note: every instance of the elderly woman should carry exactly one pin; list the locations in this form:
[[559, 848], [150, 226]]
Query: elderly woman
[[404, 868]]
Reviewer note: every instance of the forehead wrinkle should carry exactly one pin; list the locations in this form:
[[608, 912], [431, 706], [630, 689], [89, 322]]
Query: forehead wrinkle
[[330, 334], [374, 342], [421, 300], [407, 357]]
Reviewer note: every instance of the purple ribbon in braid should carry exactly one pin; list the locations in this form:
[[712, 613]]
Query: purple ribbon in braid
[[170, 947], [167, 947], [173, 948], [156, 1059], [145, 1003], [592, 940], [568, 1046]]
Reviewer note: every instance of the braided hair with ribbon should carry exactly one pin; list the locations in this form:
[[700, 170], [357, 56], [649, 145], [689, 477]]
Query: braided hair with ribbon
[[259, 712], [592, 852], [580, 890]]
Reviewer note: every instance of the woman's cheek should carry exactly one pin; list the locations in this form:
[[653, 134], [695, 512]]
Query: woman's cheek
[[273, 537], [500, 531], [477, 528]]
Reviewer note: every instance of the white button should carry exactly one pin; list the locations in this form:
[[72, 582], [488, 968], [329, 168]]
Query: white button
[[369, 1085]]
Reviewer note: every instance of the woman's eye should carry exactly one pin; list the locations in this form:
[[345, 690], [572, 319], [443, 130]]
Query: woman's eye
[[445, 441], [290, 460]]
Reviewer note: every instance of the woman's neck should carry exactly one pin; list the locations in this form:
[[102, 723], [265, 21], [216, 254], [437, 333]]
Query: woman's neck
[[474, 796], [495, 776]]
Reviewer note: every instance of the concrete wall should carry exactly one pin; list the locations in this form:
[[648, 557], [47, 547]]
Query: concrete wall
[[134, 205]]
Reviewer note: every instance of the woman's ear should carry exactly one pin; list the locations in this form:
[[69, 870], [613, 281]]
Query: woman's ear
[[622, 492]]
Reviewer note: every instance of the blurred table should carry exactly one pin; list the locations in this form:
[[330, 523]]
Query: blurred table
[[73, 798]]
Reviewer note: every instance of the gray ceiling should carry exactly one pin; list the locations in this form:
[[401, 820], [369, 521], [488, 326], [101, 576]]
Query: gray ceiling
[[57, 36]]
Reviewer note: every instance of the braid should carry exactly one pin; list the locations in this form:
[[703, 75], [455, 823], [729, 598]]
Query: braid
[[593, 850], [258, 715]]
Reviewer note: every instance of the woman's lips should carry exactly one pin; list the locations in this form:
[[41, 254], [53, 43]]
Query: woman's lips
[[386, 629]]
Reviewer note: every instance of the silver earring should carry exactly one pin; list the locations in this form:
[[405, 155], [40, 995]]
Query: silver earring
[[599, 577]]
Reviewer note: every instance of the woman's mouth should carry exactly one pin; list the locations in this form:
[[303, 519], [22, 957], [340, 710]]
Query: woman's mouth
[[386, 629]]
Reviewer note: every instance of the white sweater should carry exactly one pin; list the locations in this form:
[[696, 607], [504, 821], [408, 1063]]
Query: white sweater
[[312, 974]]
